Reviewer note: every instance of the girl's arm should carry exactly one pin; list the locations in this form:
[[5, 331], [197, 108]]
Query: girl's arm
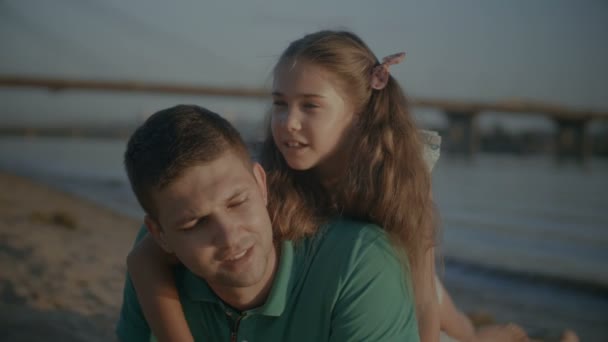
[[453, 322], [427, 306], [151, 271]]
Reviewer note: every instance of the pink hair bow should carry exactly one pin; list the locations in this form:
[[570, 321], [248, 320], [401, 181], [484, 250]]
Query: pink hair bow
[[380, 73]]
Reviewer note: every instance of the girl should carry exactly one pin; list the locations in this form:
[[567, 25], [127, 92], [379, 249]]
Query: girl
[[341, 142]]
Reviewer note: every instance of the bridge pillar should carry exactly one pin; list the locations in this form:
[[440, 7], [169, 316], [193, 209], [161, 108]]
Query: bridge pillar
[[463, 135], [30, 132], [571, 140]]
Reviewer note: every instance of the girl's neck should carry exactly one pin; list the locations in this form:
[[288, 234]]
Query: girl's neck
[[335, 167], [330, 176]]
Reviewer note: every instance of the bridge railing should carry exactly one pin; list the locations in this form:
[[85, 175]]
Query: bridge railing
[[463, 136]]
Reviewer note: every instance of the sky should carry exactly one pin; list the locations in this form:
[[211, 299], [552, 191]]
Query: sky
[[553, 51]]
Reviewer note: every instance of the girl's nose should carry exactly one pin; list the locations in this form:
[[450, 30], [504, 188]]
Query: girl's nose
[[292, 121]]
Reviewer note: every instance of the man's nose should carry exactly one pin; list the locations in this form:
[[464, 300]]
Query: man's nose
[[227, 232]]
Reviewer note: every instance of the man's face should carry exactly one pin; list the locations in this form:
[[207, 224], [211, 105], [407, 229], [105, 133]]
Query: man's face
[[214, 218]]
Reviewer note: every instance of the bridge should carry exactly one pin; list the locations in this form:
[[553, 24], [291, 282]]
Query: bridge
[[571, 139]]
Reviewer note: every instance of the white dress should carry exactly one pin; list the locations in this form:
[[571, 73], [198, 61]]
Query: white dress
[[432, 144]]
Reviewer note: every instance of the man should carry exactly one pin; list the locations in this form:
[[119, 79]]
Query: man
[[205, 201]]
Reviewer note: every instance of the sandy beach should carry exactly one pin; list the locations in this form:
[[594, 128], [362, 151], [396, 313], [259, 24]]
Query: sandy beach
[[62, 268], [62, 264]]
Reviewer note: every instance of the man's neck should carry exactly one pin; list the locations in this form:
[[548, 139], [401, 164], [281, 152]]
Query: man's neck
[[247, 298]]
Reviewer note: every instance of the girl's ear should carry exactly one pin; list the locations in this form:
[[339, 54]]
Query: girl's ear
[[260, 179], [157, 233]]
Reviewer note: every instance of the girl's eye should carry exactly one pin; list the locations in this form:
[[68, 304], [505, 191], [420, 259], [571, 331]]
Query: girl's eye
[[310, 105], [279, 103]]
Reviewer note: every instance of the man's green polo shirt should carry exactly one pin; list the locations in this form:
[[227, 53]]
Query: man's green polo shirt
[[343, 284]]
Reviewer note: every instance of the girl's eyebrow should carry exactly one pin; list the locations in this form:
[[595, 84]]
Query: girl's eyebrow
[[277, 93], [313, 96]]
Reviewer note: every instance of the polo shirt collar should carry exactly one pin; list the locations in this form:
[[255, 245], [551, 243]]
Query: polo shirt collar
[[282, 285], [196, 289]]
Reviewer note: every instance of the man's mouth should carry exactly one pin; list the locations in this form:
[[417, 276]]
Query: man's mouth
[[236, 257]]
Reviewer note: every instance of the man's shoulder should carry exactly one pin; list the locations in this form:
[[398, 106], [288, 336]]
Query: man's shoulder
[[348, 233], [356, 273], [342, 243]]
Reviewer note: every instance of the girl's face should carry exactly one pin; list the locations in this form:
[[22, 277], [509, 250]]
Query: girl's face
[[310, 119]]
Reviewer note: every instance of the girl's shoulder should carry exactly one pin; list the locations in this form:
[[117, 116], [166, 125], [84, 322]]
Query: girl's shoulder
[[431, 141]]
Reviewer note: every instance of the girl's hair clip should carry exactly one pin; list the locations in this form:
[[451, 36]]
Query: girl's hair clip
[[380, 73]]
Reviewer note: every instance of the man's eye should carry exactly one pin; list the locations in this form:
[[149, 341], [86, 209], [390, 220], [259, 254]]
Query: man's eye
[[237, 203], [201, 221], [310, 105], [193, 224]]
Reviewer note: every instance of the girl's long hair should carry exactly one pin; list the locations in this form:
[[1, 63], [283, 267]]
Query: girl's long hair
[[385, 182]]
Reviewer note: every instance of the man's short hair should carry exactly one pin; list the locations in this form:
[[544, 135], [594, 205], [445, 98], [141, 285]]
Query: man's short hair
[[172, 140]]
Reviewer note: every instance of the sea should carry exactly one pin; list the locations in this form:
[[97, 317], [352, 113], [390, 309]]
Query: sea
[[522, 239]]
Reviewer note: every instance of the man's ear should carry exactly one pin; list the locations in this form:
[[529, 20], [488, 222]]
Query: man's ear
[[157, 233], [260, 178]]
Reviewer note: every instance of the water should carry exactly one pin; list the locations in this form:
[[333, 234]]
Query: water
[[522, 238], [527, 215], [91, 168]]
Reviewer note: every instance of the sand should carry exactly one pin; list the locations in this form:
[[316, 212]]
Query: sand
[[62, 264]]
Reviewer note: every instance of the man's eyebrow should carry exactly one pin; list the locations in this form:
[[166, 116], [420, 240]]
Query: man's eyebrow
[[187, 217], [236, 193]]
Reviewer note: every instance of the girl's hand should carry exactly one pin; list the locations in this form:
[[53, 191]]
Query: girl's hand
[[151, 271]]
